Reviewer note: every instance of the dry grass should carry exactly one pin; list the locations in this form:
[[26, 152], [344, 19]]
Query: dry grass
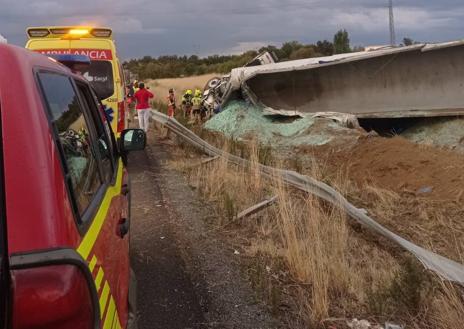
[[314, 243], [310, 259], [448, 307], [434, 225]]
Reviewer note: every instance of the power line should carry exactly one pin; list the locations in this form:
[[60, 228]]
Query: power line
[[392, 24]]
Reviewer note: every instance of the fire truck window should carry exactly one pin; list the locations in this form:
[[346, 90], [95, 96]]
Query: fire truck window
[[73, 137], [100, 76], [105, 147]]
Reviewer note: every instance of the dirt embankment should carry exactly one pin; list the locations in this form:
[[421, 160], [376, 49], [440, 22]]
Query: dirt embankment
[[401, 166], [412, 189]]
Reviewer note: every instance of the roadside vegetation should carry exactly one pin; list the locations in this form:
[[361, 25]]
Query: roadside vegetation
[[310, 263], [174, 66], [184, 66]]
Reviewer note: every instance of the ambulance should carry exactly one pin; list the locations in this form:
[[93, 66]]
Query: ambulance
[[105, 73]]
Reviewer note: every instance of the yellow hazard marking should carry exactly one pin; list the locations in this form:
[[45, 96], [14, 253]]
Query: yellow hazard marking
[[106, 293], [92, 263], [87, 245], [99, 278], [104, 299], [91, 236], [116, 324], [110, 314]]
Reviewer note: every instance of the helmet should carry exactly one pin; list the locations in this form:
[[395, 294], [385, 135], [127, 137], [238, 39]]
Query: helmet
[[189, 92], [171, 91], [198, 92], [136, 83]]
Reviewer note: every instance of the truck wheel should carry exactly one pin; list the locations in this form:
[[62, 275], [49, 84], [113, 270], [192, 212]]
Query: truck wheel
[[213, 83]]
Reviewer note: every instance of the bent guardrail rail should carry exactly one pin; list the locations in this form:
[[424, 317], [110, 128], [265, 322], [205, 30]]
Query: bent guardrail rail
[[442, 266]]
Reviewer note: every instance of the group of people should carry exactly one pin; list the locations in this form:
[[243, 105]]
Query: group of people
[[138, 99], [192, 104]]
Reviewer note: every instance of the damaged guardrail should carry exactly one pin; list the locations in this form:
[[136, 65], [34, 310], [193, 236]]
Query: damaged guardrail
[[442, 266]]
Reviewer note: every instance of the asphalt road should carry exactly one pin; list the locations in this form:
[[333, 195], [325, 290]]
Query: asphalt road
[[166, 297], [188, 275]]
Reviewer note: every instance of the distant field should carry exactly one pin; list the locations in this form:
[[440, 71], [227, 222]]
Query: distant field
[[161, 87]]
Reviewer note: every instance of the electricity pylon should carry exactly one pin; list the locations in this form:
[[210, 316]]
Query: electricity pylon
[[392, 24]]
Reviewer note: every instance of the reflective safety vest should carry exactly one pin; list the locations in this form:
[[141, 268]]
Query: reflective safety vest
[[187, 99], [196, 102]]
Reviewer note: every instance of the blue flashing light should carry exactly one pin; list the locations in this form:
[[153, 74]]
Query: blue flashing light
[[109, 112]]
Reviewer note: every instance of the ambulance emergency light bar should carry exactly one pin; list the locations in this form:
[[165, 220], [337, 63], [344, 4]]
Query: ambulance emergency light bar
[[76, 63], [68, 32]]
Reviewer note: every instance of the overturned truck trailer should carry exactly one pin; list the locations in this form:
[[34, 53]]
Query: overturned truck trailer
[[413, 81]]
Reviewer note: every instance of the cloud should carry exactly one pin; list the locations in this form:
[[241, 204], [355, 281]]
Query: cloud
[[409, 18], [144, 27], [241, 47]]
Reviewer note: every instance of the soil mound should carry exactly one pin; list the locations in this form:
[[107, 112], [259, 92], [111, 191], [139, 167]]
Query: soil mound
[[402, 166]]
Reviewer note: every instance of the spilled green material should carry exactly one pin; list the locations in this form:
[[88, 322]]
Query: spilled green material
[[241, 120], [447, 132]]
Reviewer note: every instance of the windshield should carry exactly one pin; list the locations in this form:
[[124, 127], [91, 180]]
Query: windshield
[[100, 76]]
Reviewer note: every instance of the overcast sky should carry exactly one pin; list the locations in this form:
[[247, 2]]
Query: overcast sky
[[203, 27]]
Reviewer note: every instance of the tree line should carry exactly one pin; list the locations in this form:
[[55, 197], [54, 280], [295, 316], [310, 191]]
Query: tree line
[[174, 66]]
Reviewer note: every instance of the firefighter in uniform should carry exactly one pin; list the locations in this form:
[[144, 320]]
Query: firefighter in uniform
[[196, 105], [171, 100], [187, 103]]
